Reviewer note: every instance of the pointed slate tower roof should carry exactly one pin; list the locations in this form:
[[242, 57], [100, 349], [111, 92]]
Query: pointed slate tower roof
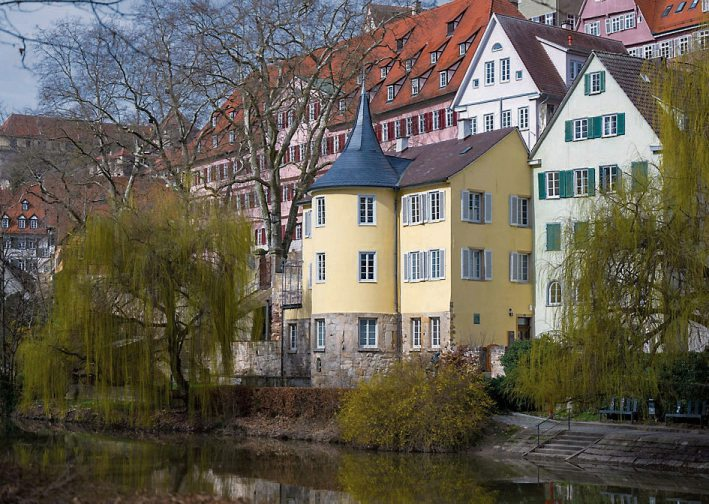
[[362, 162]]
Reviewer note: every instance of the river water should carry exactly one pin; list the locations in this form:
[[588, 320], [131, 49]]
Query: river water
[[269, 471]]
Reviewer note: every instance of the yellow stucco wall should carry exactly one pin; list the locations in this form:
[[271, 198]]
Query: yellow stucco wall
[[502, 171], [341, 239], [431, 295]]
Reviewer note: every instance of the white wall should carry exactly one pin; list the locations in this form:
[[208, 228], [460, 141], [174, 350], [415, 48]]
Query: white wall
[[557, 154]]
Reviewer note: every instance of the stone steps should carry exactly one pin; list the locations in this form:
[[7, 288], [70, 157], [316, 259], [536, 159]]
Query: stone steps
[[564, 445]]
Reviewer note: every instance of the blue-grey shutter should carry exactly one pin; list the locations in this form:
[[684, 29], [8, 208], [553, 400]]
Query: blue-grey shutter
[[464, 213], [487, 266], [405, 210], [442, 263], [514, 202], [465, 263], [442, 202], [488, 208], [541, 179]]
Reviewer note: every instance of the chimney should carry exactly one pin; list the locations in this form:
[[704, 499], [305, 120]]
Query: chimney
[[402, 144], [570, 39], [465, 128], [416, 7], [567, 26]]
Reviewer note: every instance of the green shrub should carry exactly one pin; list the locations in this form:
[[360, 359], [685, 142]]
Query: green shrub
[[415, 408], [503, 388], [683, 376]]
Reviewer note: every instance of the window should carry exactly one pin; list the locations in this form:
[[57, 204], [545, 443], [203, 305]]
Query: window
[[412, 209], [436, 266], [489, 73], [422, 123], [436, 120], [580, 129], [434, 57], [648, 51], [552, 184], [5, 222], [409, 125], [506, 119], [629, 21], [408, 64], [519, 267], [472, 206], [682, 45], [320, 334], [518, 75], [610, 125], [554, 293], [435, 332], [519, 211], [319, 211], [666, 49], [232, 136], [449, 117], [299, 231], [33, 222], [496, 47], [416, 333], [414, 87], [575, 69], [320, 267], [553, 236], [214, 121], [462, 49], [596, 83], [397, 129], [442, 79], [367, 210], [609, 178], [415, 266], [341, 105], [550, 18], [476, 83], [476, 264], [21, 222], [390, 93], [307, 223], [385, 132], [367, 266], [215, 141], [505, 70], [436, 211], [581, 182], [474, 125], [293, 336], [523, 118], [667, 11], [25, 205], [383, 71], [489, 121], [368, 333]]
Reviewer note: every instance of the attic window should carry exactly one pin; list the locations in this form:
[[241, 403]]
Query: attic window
[[5, 221], [496, 47], [21, 222], [434, 57], [680, 7], [390, 93], [645, 77], [409, 64], [214, 120], [33, 222], [25, 205], [383, 71], [466, 150], [693, 5], [400, 43], [667, 11]]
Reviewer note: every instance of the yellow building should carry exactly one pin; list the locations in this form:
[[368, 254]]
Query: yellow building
[[416, 252]]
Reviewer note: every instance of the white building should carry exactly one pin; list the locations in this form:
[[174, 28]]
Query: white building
[[603, 135], [520, 74]]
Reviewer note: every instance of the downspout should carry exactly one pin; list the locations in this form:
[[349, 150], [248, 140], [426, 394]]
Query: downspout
[[397, 302]]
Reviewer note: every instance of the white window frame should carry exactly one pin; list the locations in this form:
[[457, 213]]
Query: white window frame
[[422, 123], [415, 86], [397, 129], [581, 182], [580, 129], [434, 57], [489, 73], [557, 293], [319, 211], [472, 207], [320, 265], [553, 187], [594, 83], [505, 70], [435, 206], [320, 334], [292, 336], [610, 125], [34, 222], [506, 119], [476, 264], [436, 121], [308, 223], [390, 93], [519, 267], [449, 117], [488, 122], [611, 178], [416, 333], [443, 79], [367, 267], [519, 211], [435, 330], [523, 118], [436, 264], [21, 222], [367, 210], [367, 341], [5, 222], [409, 125], [593, 28], [415, 266]]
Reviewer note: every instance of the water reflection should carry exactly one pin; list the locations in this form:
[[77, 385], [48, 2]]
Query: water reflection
[[265, 471]]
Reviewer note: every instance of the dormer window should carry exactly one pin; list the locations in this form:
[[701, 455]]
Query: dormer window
[[462, 48], [452, 25], [390, 93], [415, 86], [215, 141], [231, 115], [443, 79], [21, 222], [34, 222], [214, 120], [5, 221], [341, 105], [408, 64], [434, 57], [399, 44], [383, 72], [25, 205]]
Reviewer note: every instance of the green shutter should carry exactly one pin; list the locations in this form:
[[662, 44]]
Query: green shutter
[[562, 184], [603, 81], [638, 170], [554, 236], [591, 181], [580, 233], [542, 186], [569, 131], [566, 184], [595, 128], [621, 123], [587, 84]]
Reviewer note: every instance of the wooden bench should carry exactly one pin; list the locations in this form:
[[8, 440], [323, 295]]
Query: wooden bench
[[626, 407], [691, 410]]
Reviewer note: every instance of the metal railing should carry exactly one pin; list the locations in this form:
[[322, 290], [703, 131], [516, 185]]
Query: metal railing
[[556, 422]]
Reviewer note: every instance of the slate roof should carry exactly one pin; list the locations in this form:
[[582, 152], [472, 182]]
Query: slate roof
[[439, 161], [362, 162], [524, 36], [628, 72]]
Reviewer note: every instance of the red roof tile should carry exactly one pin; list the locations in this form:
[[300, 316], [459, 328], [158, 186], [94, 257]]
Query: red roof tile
[[653, 9]]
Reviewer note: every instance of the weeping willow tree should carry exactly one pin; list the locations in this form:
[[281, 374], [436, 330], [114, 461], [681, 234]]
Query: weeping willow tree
[[635, 274], [148, 302]]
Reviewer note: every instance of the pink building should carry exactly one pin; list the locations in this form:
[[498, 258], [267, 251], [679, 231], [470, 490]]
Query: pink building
[[649, 28]]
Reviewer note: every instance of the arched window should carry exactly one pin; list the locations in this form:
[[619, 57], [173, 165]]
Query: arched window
[[496, 47], [554, 293], [25, 205], [34, 222]]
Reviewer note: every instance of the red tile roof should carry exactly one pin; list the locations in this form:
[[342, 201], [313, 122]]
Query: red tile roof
[[653, 9], [11, 206], [36, 126]]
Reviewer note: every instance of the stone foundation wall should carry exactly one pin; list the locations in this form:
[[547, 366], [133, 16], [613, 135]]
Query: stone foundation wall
[[426, 346], [343, 363], [296, 363], [257, 358]]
